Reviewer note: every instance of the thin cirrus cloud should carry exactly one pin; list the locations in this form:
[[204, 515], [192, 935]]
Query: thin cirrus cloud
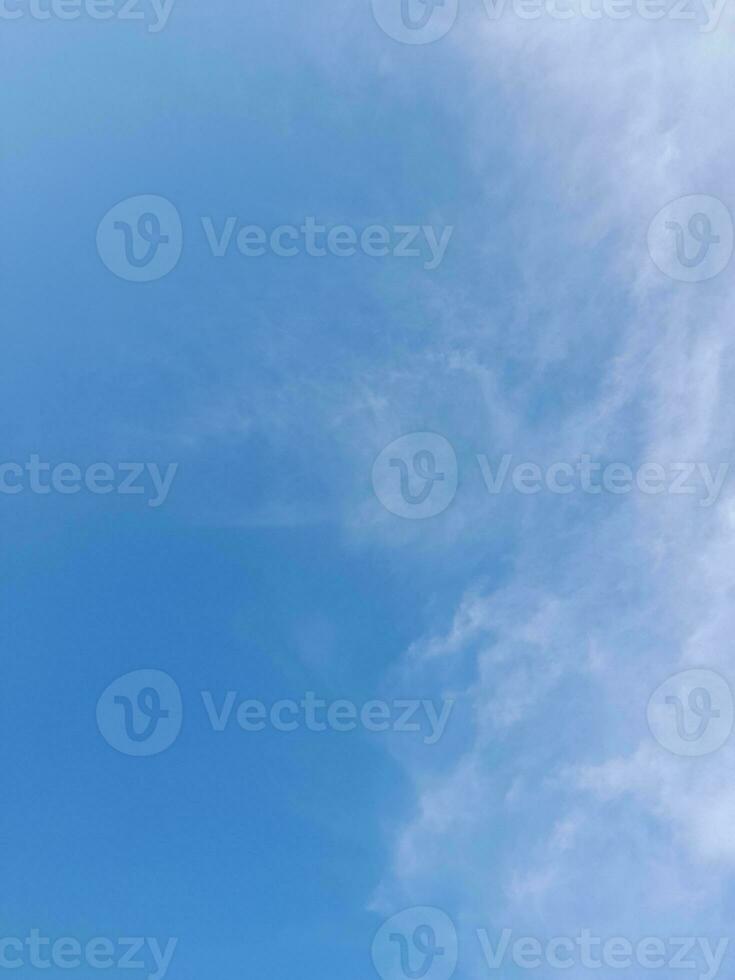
[[557, 787]]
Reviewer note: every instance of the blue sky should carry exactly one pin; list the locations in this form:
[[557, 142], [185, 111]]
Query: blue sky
[[272, 566]]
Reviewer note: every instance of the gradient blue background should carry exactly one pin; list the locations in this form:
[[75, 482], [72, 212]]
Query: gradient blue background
[[271, 569]]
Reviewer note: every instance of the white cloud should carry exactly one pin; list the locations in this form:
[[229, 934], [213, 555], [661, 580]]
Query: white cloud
[[586, 819]]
